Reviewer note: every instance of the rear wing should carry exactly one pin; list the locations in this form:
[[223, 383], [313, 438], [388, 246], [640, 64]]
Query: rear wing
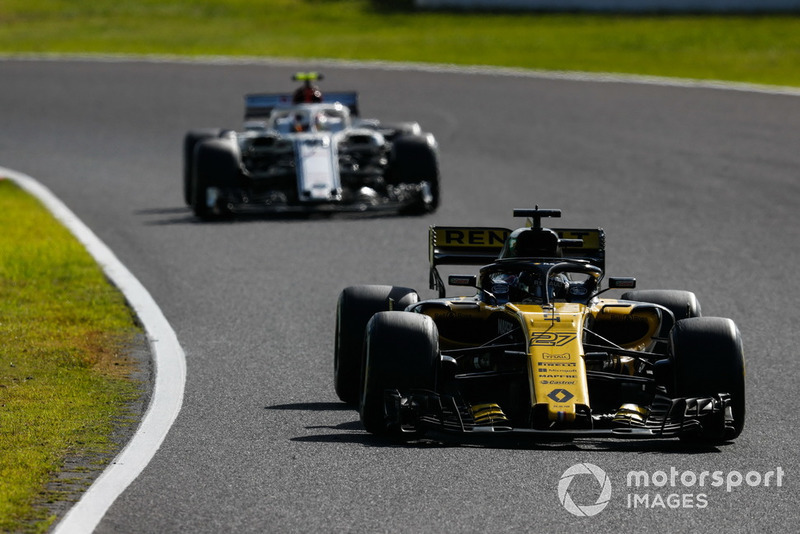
[[462, 245], [259, 106], [592, 247], [481, 245], [465, 245]]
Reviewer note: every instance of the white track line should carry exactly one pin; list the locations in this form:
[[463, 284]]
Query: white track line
[[168, 359]]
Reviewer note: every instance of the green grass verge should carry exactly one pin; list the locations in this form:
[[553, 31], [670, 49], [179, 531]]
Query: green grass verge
[[759, 49], [64, 375]]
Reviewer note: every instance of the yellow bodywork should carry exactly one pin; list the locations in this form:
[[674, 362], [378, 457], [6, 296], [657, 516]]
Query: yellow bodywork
[[556, 368], [555, 336]]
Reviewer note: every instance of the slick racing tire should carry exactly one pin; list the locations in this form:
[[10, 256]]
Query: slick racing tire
[[401, 353], [682, 304], [216, 164], [190, 141], [414, 160], [707, 359], [356, 306]]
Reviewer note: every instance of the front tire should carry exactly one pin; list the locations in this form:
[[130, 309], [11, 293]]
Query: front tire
[[216, 165], [190, 142], [414, 160], [356, 306], [708, 359], [401, 353]]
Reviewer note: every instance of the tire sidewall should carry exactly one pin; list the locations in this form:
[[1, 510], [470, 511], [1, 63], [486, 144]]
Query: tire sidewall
[[355, 307], [190, 141], [413, 160], [707, 358], [216, 165], [401, 353]]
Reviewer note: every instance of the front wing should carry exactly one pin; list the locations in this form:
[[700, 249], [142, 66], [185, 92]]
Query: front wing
[[239, 201], [709, 418]]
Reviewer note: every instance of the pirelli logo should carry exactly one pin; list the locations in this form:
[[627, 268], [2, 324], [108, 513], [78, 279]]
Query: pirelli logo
[[445, 236]]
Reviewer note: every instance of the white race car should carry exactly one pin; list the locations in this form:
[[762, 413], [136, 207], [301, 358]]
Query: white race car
[[309, 152]]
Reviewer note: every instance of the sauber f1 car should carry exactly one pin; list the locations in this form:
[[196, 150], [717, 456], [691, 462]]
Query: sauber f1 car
[[539, 350], [309, 152]]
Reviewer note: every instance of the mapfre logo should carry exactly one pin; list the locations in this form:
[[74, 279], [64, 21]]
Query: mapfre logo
[[565, 497]]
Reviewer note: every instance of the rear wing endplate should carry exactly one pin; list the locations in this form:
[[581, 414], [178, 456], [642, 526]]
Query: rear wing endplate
[[592, 247], [259, 106]]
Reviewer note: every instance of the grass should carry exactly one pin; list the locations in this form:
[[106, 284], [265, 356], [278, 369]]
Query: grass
[[760, 49], [64, 375]]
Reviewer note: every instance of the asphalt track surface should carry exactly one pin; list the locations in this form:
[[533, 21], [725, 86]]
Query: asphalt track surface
[[697, 189]]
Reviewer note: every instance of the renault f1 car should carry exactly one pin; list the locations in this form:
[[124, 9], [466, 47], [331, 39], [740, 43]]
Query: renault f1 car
[[539, 350], [310, 152]]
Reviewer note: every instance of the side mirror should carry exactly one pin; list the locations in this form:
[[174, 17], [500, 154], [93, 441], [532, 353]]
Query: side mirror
[[465, 280], [621, 283]]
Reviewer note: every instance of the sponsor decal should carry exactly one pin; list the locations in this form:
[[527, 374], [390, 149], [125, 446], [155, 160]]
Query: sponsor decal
[[663, 489], [546, 356], [551, 339], [471, 237], [560, 395]]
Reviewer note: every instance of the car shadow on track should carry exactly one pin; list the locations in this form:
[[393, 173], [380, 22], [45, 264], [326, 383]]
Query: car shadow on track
[[178, 215], [353, 432], [313, 406]]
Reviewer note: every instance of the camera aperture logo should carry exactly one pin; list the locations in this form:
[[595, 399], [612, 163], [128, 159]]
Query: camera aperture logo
[[565, 497], [661, 489]]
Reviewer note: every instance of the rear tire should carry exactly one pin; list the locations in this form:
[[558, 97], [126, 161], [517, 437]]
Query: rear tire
[[190, 141], [682, 304], [707, 359], [414, 160], [216, 165], [402, 353], [356, 306]]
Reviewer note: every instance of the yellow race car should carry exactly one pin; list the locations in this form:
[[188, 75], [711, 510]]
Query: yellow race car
[[538, 350]]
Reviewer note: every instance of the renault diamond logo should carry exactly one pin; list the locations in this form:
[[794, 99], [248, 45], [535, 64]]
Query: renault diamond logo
[[560, 395]]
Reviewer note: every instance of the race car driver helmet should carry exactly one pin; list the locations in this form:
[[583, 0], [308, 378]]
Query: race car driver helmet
[[507, 286], [558, 286], [531, 286], [301, 122]]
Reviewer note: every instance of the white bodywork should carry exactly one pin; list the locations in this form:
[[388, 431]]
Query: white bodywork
[[314, 131], [317, 164]]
